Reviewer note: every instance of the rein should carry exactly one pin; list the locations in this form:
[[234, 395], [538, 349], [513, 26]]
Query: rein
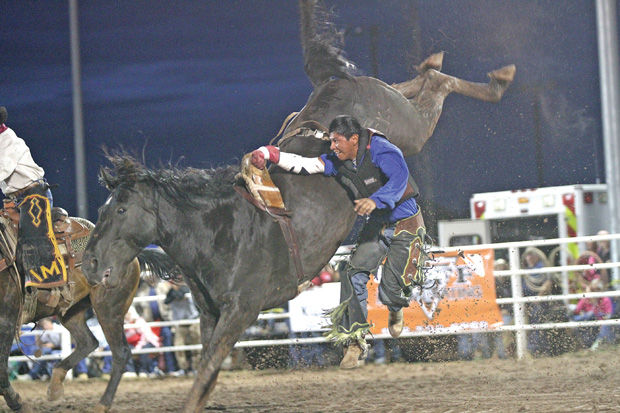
[[284, 125], [283, 218]]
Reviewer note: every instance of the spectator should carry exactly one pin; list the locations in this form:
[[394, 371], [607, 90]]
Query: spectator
[[48, 343], [587, 276], [469, 344], [536, 284], [600, 308], [503, 289], [306, 355], [182, 308], [603, 247], [141, 336], [383, 353], [26, 345], [157, 310]]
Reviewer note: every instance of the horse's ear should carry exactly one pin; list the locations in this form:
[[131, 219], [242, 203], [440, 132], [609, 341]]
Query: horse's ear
[[105, 178]]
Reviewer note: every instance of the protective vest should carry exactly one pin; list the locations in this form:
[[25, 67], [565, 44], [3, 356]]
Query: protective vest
[[367, 178]]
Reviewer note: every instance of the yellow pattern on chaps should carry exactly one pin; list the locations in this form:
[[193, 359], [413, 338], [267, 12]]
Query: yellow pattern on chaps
[[54, 272]]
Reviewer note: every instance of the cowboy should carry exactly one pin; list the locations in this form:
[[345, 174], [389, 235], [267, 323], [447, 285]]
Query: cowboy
[[22, 182], [375, 174]]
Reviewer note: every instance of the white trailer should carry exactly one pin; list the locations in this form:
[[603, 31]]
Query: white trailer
[[529, 214]]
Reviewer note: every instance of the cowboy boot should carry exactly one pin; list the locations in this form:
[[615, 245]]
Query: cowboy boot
[[351, 359], [396, 323]]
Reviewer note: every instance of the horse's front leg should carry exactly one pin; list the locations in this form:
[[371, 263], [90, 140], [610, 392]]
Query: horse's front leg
[[85, 342], [10, 300], [233, 320], [110, 305], [111, 320]]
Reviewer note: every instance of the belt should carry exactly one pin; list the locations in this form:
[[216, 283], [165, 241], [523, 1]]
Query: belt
[[19, 192]]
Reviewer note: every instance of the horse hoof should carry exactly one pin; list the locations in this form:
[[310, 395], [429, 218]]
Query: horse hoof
[[100, 408], [25, 408], [56, 390], [505, 74], [434, 61]]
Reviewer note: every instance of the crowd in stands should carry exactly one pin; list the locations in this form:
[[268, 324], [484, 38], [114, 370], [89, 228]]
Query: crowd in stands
[[177, 305], [174, 303]]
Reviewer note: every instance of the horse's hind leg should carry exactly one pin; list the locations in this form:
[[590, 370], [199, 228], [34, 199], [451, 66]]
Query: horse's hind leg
[[233, 320], [432, 86], [85, 342], [411, 88]]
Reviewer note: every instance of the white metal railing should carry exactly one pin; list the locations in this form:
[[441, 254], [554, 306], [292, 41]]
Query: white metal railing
[[515, 273]]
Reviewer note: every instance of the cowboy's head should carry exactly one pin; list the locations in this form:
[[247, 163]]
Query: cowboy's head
[[344, 134], [3, 117]]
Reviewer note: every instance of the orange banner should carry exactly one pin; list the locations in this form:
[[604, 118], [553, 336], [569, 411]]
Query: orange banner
[[468, 302]]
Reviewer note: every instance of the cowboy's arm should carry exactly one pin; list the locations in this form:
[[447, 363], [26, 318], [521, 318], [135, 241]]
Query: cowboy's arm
[[393, 165], [289, 161], [11, 151]]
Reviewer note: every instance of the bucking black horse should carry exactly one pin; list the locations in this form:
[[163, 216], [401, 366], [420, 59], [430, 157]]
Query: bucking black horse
[[234, 257]]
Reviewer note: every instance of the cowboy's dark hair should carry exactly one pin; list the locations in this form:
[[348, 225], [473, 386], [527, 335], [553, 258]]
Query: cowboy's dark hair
[[345, 125]]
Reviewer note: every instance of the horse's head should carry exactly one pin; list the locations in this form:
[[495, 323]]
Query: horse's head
[[127, 223]]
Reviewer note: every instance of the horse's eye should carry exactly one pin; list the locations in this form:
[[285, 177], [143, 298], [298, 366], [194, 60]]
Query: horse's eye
[[121, 210]]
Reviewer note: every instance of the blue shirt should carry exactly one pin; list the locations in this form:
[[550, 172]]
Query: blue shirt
[[387, 157]]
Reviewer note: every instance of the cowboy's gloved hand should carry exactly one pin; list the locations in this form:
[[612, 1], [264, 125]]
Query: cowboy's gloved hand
[[263, 154], [364, 206]]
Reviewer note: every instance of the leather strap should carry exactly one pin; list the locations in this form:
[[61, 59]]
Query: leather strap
[[282, 216], [293, 245]]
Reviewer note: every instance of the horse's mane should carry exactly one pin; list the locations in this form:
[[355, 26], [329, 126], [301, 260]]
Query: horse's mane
[[191, 186]]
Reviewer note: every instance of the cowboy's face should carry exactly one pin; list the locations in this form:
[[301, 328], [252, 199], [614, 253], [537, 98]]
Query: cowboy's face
[[345, 149]]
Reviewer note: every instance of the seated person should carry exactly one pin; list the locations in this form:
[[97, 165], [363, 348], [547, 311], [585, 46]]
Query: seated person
[[600, 308], [141, 336], [587, 276], [48, 343]]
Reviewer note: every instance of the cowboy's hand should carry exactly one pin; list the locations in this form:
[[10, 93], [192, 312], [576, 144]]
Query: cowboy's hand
[[364, 206], [263, 154]]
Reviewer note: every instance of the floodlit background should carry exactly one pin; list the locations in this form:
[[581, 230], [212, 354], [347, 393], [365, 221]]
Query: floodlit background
[[201, 83]]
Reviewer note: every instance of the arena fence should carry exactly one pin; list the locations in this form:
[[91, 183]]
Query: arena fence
[[517, 300]]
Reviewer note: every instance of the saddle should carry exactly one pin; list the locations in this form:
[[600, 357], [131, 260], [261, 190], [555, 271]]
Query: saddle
[[71, 237]]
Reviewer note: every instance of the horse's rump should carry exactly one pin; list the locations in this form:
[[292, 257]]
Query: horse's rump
[[373, 102]]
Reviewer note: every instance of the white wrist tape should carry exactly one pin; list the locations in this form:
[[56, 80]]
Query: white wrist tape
[[265, 152], [299, 164]]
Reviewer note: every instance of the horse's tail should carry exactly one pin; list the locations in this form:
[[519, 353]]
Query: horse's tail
[[158, 264], [321, 45]]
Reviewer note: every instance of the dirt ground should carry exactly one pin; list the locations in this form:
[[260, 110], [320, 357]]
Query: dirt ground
[[573, 382]]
